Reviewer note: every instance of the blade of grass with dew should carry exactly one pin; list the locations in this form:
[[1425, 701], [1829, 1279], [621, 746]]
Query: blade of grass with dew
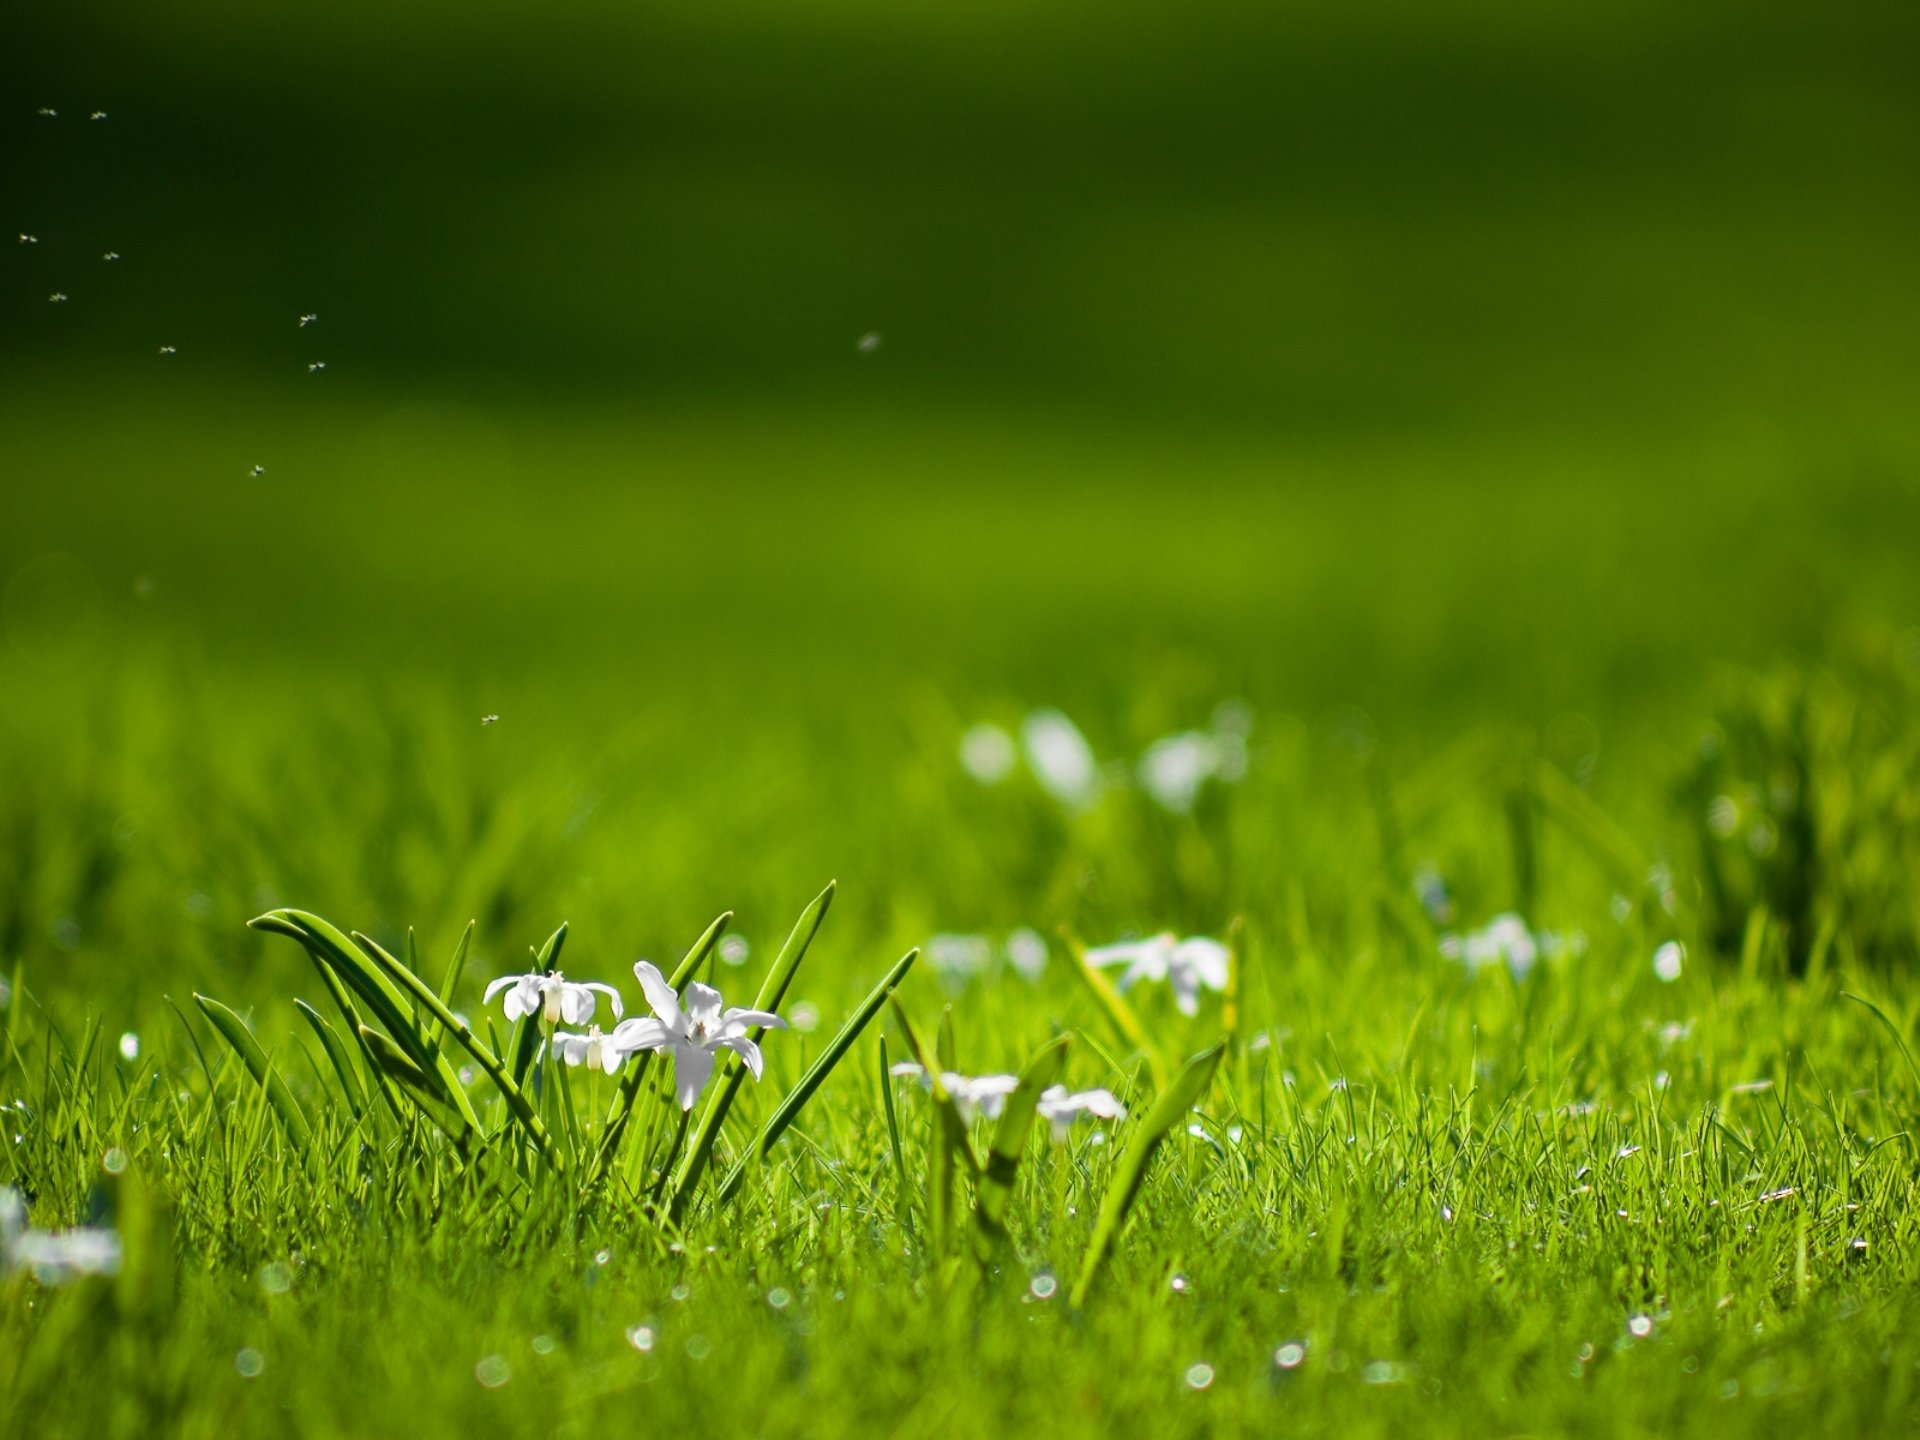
[[772, 991], [235, 1032], [796, 1099], [1169, 1109]]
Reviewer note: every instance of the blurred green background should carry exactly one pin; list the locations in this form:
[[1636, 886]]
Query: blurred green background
[[1402, 369]]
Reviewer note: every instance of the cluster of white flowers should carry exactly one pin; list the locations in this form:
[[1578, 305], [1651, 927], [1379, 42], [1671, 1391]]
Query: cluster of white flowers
[[692, 1035], [1191, 965], [52, 1256], [987, 1095], [1173, 771], [1507, 940], [958, 958]]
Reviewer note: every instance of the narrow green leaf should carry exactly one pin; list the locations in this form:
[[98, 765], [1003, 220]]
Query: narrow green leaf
[[789, 1108], [332, 950], [1169, 1109], [1120, 1015], [947, 1141], [772, 991], [350, 1082], [235, 1032], [995, 1186], [517, 1103], [398, 1066]]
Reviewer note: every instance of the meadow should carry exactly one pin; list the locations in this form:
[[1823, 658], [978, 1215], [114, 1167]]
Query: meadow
[[1471, 541]]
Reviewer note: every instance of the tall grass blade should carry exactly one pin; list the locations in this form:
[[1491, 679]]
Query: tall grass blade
[[350, 1082], [772, 991], [235, 1032], [796, 1099], [1169, 1109], [518, 1105], [1119, 1014], [994, 1189]]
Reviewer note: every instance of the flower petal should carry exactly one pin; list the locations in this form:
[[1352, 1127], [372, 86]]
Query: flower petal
[[691, 1068], [1205, 958], [576, 1004], [738, 1021], [664, 999], [516, 1004], [638, 1034], [498, 985], [703, 1006], [746, 1050], [613, 996]]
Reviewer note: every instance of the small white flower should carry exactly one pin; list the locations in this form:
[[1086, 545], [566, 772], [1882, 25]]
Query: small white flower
[[1060, 758], [52, 1256], [1027, 953], [1669, 960], [1062, 1107], [692, 1034], [592, 1048], [553, 997], [986, 1094], [1190, 966], [987, 753], [1503, 940], [1173, 769]]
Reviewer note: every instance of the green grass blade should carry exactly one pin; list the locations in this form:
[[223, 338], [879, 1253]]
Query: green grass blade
[[1169, 1109], [333, 950], [772, 991], [994, 1191], [399, 1066], [350, 1082], [947, 1141], [636, 1070], [789, 1108], [518, 1105], [1119, 1014], [235, 1032]]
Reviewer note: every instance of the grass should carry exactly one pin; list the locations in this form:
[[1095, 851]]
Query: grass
[[1457, 1195], [1508, 411]]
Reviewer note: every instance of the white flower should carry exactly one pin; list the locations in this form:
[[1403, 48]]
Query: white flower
[[53, 1256], [592, 1048], [1060, 758], [553, 997], [1503, 940], [1027, 953], [1669, 960], [692, 1034], [1189, 965], [1062, 1107], [987, 753], [1173, 769], [985, 1093]]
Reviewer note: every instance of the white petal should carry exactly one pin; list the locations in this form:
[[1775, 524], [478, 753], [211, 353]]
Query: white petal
[[638, 1034], [664, 999], [1206, 958], [613, 996], [610, 1057], [906, 1069], [498, 985], [1123, 953], [1186, 993], [691, 1068], [576, 1004], [746, 1050], [516, 1004], [738, 1021], [570, 1048], [703, 1006]]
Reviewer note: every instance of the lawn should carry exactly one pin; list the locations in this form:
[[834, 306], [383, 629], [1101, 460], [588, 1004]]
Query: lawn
[[1454, 472]]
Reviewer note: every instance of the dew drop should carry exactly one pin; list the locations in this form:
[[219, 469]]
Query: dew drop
[[492, 1371], [249, 1362], [1199, 1376]]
